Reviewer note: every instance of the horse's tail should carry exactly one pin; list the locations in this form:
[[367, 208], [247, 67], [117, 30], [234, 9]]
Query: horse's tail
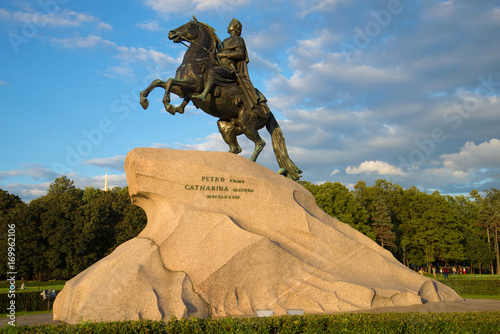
[[286, 164]]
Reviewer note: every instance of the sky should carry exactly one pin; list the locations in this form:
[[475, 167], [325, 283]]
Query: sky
[[401, 90]]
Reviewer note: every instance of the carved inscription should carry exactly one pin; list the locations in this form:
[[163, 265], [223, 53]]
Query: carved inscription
[[220, 188]]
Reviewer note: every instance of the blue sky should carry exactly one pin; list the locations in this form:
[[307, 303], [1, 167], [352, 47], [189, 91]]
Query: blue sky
[[403, 90]]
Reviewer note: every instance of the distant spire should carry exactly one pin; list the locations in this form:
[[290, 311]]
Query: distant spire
[[106, 181]]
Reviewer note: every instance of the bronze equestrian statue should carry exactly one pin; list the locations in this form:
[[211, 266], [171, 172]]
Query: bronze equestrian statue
[[214, 76]]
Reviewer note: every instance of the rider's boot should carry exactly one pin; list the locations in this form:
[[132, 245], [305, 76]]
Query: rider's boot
[[209, 83], [202, 96]]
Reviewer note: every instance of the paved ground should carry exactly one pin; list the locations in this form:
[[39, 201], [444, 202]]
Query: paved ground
[[470, 305], [35, 319]]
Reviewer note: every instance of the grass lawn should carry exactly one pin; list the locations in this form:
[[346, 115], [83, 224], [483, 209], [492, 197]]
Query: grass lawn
[[440, 277], [3, 315], [480, 297]]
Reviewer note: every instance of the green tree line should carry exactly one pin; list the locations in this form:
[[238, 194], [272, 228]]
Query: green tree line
[[62, 233], [419, 228]]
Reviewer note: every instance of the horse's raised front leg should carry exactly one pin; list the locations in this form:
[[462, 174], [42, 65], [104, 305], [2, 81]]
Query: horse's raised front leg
[[180, 108], [182, 84], [144, 94]]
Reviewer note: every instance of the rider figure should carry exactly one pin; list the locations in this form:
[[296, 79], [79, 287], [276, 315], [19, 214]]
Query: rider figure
[[233, 59]]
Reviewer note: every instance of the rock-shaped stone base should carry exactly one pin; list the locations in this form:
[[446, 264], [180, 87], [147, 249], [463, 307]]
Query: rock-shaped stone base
[[225, 237]]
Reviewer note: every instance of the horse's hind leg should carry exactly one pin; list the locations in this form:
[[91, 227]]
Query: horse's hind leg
[[144, 94], [254, 136], [229, 132]]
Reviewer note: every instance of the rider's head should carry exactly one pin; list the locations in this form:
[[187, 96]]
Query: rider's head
[[236, 26]]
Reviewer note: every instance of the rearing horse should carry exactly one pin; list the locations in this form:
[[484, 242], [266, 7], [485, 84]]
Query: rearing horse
[[223, 102]]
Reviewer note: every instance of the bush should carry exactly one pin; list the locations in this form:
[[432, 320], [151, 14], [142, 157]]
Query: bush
[[474, 286], [474, 322], [26, 301]]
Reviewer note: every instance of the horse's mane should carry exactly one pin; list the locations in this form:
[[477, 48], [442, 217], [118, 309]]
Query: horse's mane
[[216, 43]]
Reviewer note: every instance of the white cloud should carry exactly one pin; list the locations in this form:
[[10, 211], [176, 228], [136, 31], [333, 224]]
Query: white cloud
[[104, 26], [484, 155], [212, 142], [495, 15], [360, 74], [133, 54], [320, 5], [335, 171], [149, 25], [116, 72], [324, 38], [115, 162], [32, 170], [27, 192], [263, 63], [4, 14], [65, 18], [175, 6], [89, 42], [377, 167]]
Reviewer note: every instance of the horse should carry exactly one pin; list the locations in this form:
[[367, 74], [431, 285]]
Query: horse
[[223, 102]]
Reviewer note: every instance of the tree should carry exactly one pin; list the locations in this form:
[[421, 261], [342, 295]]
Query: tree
[[89, 193], [478, 251], [133, 222], [7, 202], [35, 244], [336, 200], [58, 226], [489, 218], [382, 225], [68, 229], [60, 186], [95, 224], [430, 230], [383, 201], [11, 211]]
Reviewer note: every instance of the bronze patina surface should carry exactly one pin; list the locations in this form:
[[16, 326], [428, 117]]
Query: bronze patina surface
[[214, 76]]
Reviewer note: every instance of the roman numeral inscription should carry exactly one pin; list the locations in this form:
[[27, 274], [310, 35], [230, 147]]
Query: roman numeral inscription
[[216, 187]]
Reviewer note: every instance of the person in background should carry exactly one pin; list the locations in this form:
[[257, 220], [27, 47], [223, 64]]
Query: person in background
[[445, 272]]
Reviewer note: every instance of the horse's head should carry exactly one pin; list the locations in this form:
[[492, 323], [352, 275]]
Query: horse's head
[[193, 30], [187, 32]]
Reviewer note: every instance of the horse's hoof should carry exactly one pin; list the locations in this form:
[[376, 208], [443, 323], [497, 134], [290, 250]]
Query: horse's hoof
[[170, 108], [283, 172], [145, 104], [236, 150], [179, 110]]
